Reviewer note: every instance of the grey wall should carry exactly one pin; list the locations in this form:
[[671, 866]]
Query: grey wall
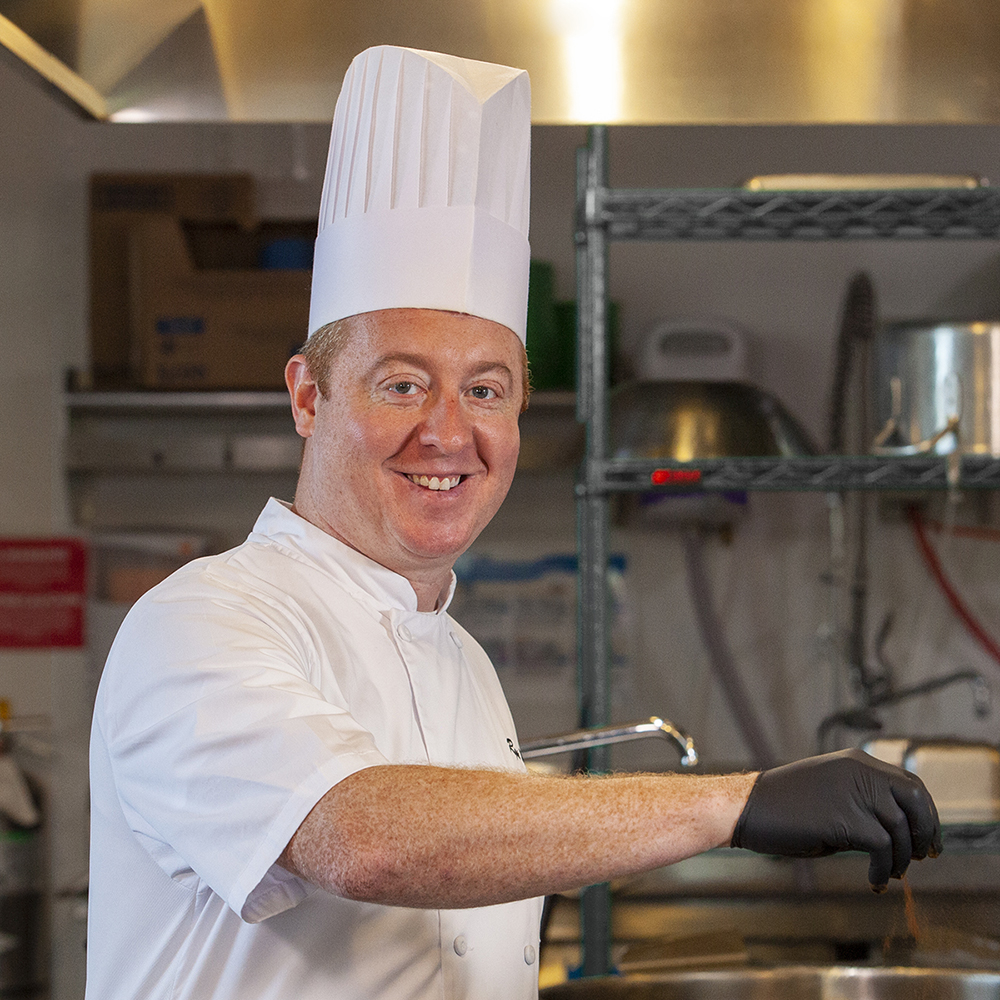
[[787, 296]]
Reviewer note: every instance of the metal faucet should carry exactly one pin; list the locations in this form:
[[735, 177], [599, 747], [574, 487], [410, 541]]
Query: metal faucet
[[865, 717], [584, 739], [878, 691]]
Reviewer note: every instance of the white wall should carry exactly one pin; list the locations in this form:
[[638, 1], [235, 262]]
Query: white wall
[[787, 295]]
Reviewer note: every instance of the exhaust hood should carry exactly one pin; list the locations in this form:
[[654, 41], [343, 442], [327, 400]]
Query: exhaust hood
[[614, 61]]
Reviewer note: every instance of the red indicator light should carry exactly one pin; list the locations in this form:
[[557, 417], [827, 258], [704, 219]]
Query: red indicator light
[[661, 477]]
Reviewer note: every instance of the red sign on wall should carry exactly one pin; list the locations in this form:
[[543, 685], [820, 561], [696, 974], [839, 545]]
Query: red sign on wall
[[43, 582]]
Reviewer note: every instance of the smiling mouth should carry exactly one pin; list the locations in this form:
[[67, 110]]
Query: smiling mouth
[[436, 482]]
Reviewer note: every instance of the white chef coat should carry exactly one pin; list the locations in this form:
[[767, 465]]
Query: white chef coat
[[236, 694]]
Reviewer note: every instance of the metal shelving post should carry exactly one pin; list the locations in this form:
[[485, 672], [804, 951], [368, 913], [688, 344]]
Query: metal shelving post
[[592, 506]]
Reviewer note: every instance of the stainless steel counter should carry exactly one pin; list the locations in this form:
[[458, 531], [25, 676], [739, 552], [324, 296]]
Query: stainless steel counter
[[820, 911]]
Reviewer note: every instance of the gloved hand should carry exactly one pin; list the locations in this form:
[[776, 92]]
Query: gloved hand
[[843, 801]]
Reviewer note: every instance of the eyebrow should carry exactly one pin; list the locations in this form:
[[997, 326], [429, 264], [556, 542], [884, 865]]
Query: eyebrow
[[417, 361]]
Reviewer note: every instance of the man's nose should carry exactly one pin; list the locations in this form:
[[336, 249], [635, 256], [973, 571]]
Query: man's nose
[[446, 425]]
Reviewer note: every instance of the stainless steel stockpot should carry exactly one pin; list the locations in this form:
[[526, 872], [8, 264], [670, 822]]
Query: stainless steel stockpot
[[936, 388]]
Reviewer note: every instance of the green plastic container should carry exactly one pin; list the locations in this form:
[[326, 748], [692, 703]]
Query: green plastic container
[[552, 333]]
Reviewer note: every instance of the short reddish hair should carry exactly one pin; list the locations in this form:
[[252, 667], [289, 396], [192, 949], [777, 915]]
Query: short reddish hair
[[328, 341]]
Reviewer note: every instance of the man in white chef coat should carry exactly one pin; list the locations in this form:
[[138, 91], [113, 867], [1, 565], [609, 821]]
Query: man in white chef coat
[[305, 778]]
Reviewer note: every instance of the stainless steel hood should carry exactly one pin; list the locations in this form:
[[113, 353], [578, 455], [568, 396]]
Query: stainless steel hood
[[635, 61]]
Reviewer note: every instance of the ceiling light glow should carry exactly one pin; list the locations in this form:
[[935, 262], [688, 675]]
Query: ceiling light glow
[[591, 33], [134, 116]]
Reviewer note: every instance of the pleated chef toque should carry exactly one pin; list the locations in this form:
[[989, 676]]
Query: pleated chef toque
[[425, 201]]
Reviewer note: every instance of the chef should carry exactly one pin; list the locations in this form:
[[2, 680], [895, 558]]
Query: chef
[[305, 779]]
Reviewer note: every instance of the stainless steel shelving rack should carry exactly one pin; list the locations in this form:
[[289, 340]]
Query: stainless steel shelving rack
[[605, 214]]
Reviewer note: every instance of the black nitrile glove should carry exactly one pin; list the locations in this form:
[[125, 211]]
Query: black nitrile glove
[[844, 801]]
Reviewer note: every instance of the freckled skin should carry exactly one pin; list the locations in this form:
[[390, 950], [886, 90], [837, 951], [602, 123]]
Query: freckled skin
[[416, 835], [414, 392]]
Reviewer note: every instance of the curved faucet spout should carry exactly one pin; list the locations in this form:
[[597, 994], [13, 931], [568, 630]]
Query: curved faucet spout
[[584, 739]]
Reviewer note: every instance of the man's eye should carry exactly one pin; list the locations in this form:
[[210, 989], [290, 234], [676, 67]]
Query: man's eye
[[483, 392], [403, 388]]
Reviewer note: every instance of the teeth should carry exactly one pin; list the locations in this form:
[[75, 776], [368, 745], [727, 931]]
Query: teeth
[[434, 483]]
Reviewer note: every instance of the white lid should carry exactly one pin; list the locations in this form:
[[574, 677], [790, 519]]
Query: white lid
[[703, 349], [425, 201]]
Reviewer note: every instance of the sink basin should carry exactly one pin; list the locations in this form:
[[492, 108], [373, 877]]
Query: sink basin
[[788, 983]]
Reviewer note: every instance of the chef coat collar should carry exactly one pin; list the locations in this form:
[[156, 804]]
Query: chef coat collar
[[279, 523]]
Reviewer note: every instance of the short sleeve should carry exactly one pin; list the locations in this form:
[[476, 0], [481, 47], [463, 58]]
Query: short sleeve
[[218, 743]]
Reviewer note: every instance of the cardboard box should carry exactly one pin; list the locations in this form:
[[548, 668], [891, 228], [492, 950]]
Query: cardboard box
[[118, 202], [177, 298], [208, 329]]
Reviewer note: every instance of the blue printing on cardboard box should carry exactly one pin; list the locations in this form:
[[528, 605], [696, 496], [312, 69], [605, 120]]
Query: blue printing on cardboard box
[[186, 325]]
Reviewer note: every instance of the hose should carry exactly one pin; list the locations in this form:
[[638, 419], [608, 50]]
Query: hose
[[857, 326], [719, 656], [728, 676], [951, 594], [965, 531]]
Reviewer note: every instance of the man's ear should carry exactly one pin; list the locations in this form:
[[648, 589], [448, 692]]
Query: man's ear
[[303, 392]]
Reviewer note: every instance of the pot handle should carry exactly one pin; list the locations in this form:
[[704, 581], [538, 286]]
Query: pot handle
[[887, 441]]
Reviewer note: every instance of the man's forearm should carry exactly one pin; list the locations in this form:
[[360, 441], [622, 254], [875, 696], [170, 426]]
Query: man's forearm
[[416, 835]]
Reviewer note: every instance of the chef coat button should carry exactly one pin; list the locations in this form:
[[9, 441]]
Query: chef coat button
[[404, 633], [529, 954], [461, 946], [455, 639]]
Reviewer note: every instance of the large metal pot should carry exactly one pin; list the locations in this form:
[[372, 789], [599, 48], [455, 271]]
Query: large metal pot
[[936, 388], [788, 983]]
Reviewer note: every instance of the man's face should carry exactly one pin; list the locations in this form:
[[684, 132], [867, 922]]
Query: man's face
[[414, 448]]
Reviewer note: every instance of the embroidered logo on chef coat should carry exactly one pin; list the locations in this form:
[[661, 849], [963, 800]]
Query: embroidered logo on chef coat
[[513, 749]]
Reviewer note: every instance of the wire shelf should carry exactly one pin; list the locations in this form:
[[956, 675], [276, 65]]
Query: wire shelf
[[734, 214], [831, 473]]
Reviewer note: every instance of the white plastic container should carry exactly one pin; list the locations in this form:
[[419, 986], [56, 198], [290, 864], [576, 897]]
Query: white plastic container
[[963, 778]]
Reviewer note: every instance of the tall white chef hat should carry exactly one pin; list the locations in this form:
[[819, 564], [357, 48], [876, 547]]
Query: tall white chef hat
[[425, 202]]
